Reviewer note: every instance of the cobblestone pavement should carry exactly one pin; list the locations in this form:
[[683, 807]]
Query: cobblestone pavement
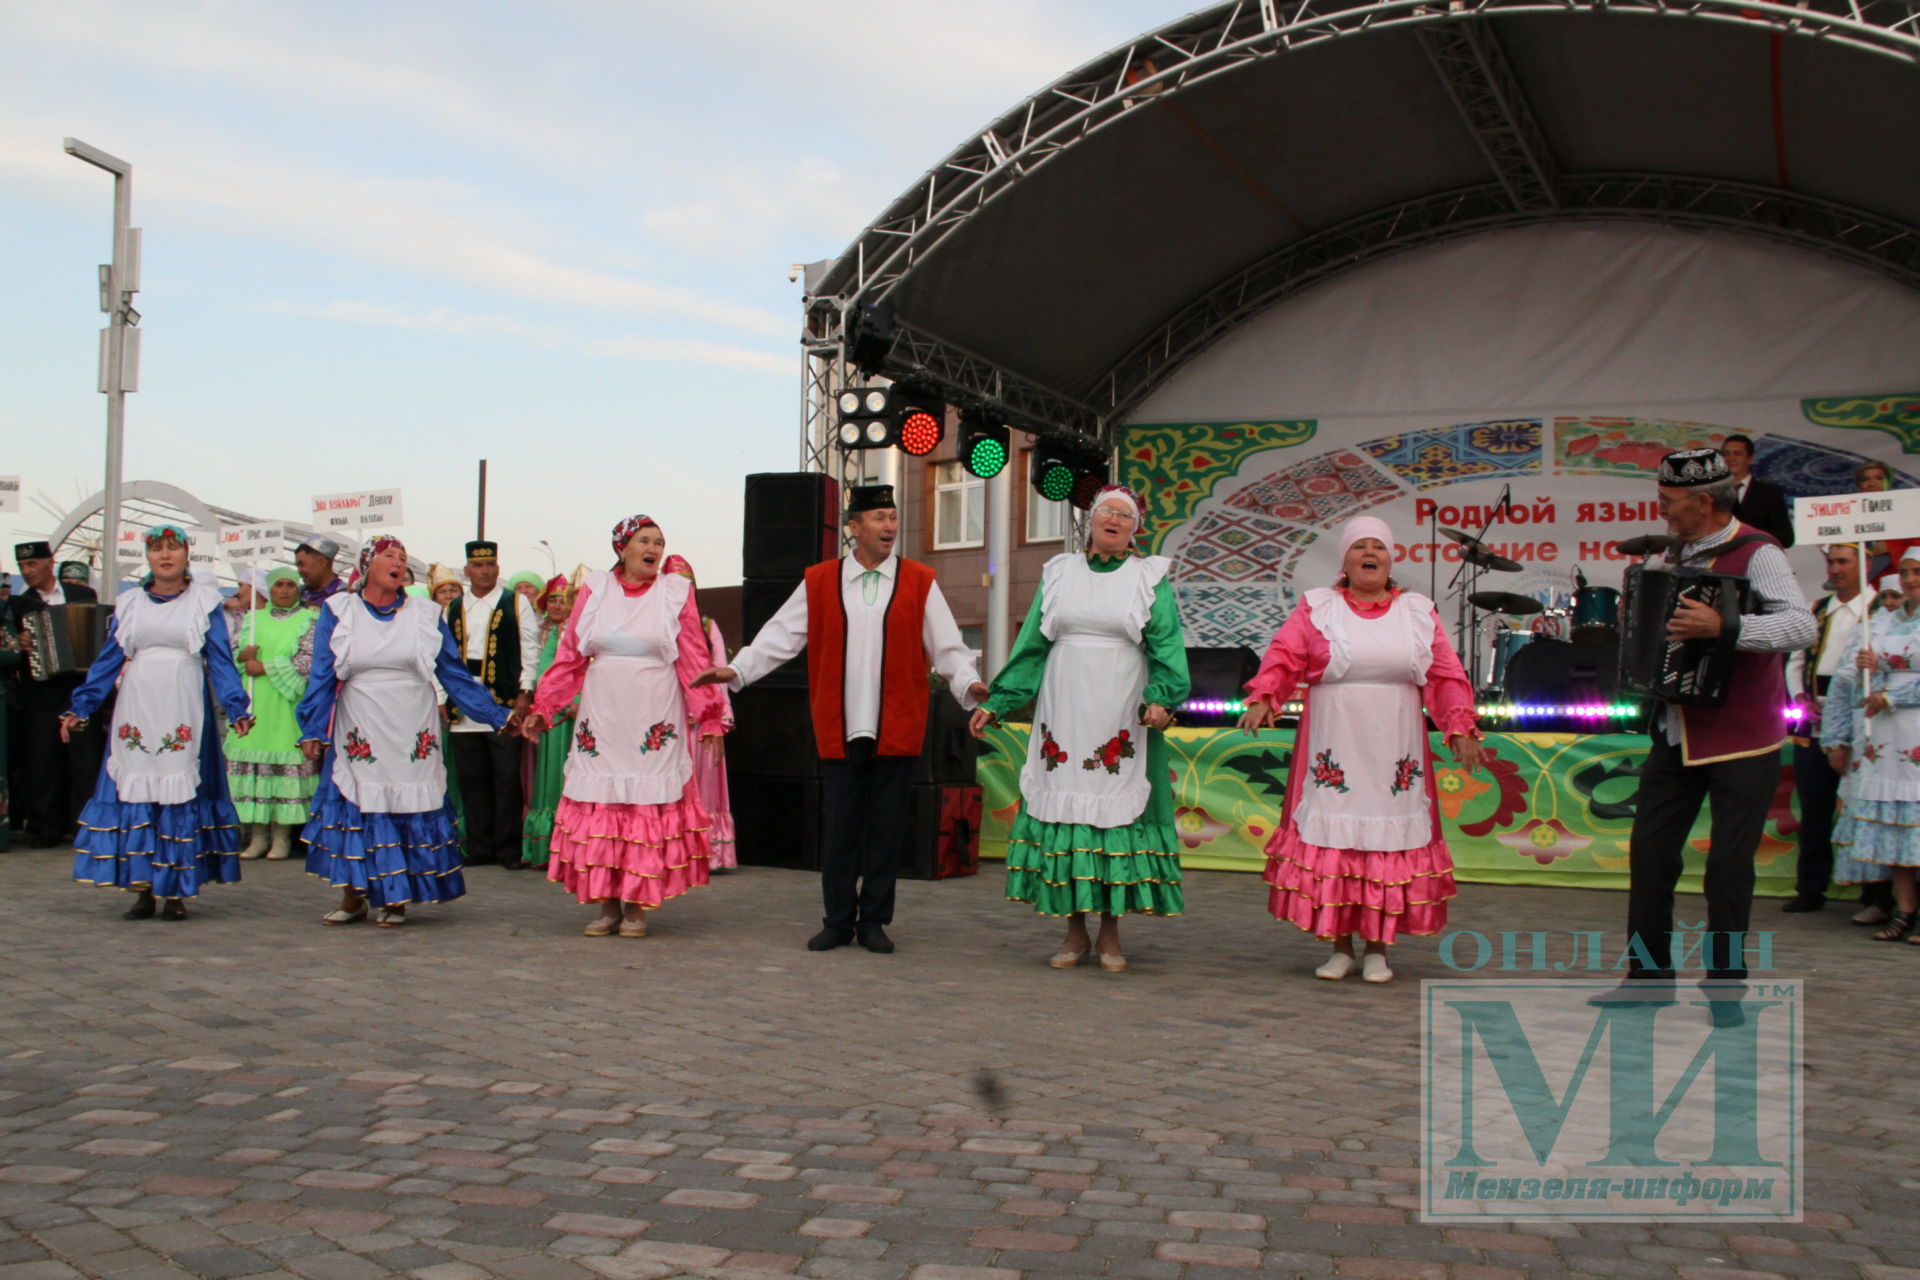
[[487, 1093]]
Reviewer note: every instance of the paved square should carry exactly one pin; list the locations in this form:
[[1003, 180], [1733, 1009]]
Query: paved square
[[487, 1093]]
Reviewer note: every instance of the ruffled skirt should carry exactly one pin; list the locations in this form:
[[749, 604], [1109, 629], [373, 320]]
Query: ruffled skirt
[[1872, 836], [1066, 868], [268, 785], [390, 859], [710, 776], [549, 775], [1377, 894], [638, 853], [170, 849]]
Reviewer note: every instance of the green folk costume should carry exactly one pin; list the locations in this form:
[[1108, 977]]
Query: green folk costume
[[549, 771], [1095, 830], [270, 779]]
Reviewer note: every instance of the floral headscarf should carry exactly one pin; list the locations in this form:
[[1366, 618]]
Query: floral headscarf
[[160, 531], [373, 548], [677, 564], [624, 531]]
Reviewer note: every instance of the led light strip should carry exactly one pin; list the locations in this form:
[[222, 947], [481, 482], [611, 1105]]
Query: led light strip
[[1486, 710]]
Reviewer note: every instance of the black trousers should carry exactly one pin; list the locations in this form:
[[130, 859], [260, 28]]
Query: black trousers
[[56, 778], [1738, 793], [864, 833], [1819, 789], [489, 765]]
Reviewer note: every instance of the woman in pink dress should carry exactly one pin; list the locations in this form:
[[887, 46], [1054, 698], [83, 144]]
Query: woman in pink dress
[[1359, 848], [709, 755], [629, 832]]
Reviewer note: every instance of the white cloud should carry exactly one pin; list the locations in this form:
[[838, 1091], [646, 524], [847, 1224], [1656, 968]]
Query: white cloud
[[678, 351]]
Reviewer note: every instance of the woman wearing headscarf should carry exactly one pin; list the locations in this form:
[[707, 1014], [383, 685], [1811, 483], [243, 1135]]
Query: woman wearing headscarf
[[629, 832], [1359, 848], [1102, 658], [710, 755], [550, 752], [382, 830], [160, 822], [271, 779]]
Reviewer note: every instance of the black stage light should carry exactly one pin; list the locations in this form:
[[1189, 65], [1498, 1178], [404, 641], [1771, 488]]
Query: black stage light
[[1087, 484], [1052, 471], [870, 336], [983, 444], [921, 424], [866, 418]]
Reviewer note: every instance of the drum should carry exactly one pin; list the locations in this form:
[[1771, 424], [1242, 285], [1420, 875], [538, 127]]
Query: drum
[[1506, 643], [1596, 614]]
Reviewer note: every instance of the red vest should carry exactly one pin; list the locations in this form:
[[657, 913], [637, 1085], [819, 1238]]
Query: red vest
[[1753, 719], [904, 687]]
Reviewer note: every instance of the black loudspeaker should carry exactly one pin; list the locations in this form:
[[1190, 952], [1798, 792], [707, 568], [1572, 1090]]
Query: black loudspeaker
[[760, 599], [792, 523], [1555, 671], [1217, 676], [772, 736], [947, 757], [943, 833], [776, 822]]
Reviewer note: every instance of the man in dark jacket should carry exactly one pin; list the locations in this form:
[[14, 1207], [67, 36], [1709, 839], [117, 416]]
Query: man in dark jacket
[[55, 777], [1762, 505]]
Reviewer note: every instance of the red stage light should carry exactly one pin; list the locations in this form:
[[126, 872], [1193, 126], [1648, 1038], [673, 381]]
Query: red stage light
[[1086, 487], [921, 433]]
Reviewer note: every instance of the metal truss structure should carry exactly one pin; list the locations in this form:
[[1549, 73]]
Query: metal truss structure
[[1461, 45]]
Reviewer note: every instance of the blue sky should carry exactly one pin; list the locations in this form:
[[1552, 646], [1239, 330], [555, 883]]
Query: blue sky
[[384, 240]]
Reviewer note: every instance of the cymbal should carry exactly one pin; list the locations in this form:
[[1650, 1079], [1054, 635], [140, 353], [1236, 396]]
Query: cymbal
[[1647, 544], [1462, 537], [1489, 560], [1504, 602]]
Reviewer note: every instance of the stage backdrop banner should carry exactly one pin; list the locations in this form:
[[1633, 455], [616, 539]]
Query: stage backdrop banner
[[1246, 510], [1553, 809]]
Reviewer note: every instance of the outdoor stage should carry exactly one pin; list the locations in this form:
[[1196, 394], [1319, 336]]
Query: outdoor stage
[[1556, 809]]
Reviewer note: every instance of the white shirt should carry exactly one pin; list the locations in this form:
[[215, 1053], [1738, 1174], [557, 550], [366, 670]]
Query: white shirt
[[785, 636], [1845, 617], [51, 597], [479, 612]]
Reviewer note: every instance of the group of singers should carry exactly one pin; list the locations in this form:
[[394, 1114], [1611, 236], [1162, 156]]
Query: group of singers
[[1358, 848]]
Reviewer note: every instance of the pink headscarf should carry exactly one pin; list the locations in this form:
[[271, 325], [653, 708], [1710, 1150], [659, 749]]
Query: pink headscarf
[[368, 552], [1364, 527]]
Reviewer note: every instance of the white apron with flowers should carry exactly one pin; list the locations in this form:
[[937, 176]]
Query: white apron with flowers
[[1364, 785], [386, 722], [1087, 758], [161, 712], [627, 742]]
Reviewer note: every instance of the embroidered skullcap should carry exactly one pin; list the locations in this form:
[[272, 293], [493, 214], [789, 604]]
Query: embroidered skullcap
[[558, 582], [74, 571], [438, 575], [1691, 468], [1364, 527], [322, 546], [38, 550], [483, 552], [624, 531], [870, 497]]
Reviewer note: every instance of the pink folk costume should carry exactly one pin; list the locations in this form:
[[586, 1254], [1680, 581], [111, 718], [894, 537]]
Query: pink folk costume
[[710, 765], [1359, 848], [630, 826]]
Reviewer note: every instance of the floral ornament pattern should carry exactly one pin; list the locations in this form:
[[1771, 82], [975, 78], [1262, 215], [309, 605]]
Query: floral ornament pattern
[[1196, 826], [1108, 757], [1457, 787], [178, 739], [1899, 662], [1405, 774], [359, 749], [130, 735], [425, 745], [1545, 840], [1050, 751], [1513, 795], [1328, 773], [584, 742], [1872, 753], [658, 736]]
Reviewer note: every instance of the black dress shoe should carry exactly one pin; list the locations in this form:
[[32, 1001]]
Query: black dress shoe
[[1803, 902], [875, 939], [174, 910], [828, 939], [142, 910]]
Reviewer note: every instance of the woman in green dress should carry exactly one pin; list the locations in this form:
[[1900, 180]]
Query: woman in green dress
[[550, 762], [1103, 659], [271, 781]]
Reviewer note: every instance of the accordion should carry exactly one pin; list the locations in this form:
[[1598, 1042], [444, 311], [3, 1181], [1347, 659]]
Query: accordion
[[64, 639], [1687, 673]]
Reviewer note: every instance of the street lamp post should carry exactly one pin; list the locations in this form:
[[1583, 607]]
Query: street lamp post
[[119, 341]]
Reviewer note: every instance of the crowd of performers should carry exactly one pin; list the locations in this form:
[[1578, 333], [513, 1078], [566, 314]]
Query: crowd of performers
[[353, 710]]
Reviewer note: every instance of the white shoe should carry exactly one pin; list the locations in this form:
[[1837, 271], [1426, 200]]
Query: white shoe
[[257, 842], [282, 843], [1373, 968], [1338, 966]]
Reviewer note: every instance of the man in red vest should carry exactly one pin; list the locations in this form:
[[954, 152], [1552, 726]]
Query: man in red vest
[[871, 624], [1728, 755]]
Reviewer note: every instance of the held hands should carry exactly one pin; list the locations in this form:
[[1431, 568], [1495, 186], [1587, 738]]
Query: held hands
[[249, 655], [1156, 716], [715, 675], [243, 726], [982, 718], [255, 667], [1257, 715], [533, 726], [977, 693], [1693, 620], [70, 723], [313, 749]]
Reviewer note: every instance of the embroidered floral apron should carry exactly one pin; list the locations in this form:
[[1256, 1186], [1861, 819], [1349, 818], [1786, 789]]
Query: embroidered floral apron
[[1885, 762], [162, 710], [386, 723], [1087, 758], [629, 745], [1365, 780]]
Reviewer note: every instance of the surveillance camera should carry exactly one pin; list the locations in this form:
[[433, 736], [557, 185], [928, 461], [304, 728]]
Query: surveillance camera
[[793, 272]]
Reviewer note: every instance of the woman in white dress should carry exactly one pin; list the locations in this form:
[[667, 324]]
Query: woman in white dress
[[161, 822]]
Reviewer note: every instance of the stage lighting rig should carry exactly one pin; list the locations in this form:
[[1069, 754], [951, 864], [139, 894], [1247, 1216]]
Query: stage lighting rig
[[866, 418], [1086, 486], [1053, 471], [983, 443], [921, 422]]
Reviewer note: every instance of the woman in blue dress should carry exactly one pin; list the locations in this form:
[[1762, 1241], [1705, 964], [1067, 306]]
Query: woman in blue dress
[[161, 823], [382, 829]]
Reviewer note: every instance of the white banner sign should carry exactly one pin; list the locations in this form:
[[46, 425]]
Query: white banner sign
[[1857, 517], [9, 495], [375, 509], [253, 544], [131, 553]]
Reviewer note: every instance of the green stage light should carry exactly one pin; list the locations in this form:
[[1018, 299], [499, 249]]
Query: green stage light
[[983, 444]]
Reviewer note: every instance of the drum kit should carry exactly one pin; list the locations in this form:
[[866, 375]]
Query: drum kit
[[1494, 637]]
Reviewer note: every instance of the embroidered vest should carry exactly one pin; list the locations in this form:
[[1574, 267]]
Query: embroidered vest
[[1753, 719], [500, 667], [904, 687]]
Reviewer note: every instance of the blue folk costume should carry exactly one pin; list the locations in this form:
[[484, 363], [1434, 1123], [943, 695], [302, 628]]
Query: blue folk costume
[[1879, 823], [382, 825], [160, 818]]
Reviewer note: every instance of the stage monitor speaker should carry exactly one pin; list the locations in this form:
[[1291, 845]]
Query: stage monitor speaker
[[760, 599], [792, 522], [1220, 673], [776, 822], [943, 833], [1558, 671], [949, 752], [772, 737]]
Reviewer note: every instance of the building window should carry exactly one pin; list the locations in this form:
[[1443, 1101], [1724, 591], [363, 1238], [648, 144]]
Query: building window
[[959, 508], [1045, 521], [975, 638]]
